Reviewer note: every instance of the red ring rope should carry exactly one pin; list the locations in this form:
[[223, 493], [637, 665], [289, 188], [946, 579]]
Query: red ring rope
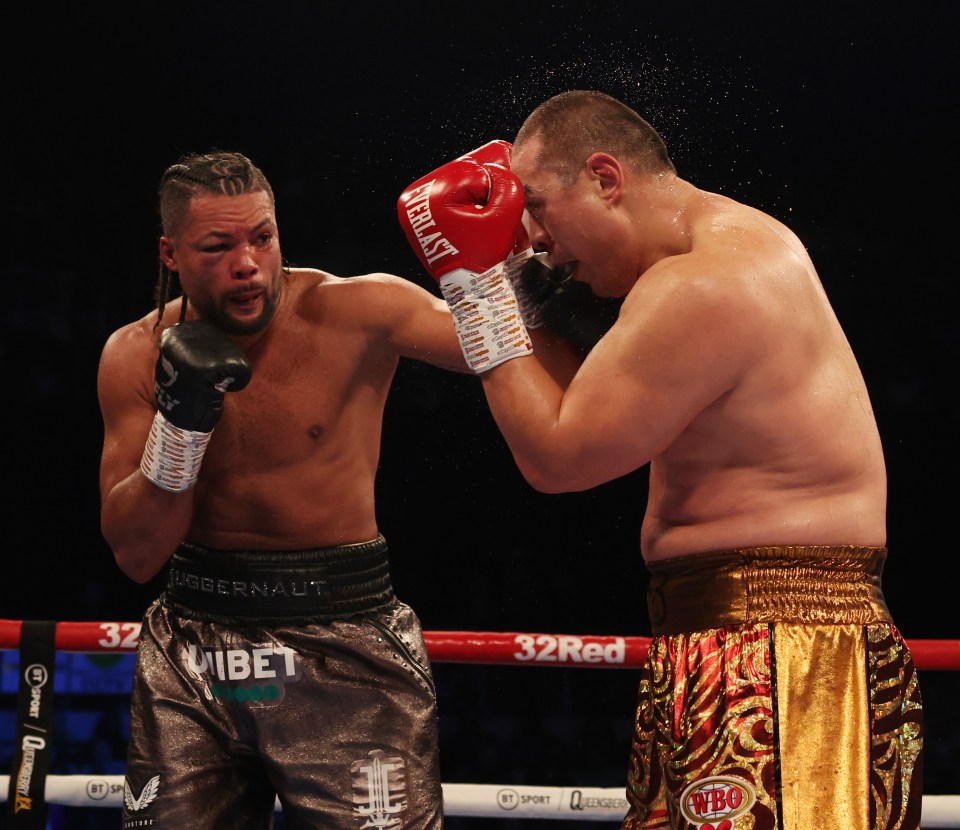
[[492, 648]]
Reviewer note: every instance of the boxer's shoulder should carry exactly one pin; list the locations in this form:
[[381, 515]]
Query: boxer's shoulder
[[132, 342], [363, 298]]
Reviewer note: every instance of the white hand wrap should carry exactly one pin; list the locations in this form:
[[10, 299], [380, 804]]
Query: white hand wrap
[[171, 458], [486, 316]]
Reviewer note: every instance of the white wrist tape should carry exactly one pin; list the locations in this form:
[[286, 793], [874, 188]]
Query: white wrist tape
[[486, 316], [171, 458], [513, 268]]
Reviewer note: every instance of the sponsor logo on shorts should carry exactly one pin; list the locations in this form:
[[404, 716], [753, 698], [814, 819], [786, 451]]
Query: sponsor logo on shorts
[[714, 803], [135, 803], [254, 675], [379, 790], [266, 589]]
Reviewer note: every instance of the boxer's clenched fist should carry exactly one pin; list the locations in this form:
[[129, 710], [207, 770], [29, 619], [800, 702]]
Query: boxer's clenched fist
[[462, 221], [197, 365]]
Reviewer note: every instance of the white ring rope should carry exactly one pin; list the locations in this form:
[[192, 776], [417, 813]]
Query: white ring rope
[[471, 800]]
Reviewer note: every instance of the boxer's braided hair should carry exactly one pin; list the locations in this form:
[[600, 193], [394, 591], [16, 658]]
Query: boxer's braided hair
[[196, 174]]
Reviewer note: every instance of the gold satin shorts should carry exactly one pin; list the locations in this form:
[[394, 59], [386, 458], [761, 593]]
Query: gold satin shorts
[[777, 695]]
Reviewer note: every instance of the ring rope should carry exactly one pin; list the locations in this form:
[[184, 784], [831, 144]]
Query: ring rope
[[471, 800], [491, 648]]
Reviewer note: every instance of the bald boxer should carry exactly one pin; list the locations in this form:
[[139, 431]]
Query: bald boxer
[[242, 429], [778, 693]]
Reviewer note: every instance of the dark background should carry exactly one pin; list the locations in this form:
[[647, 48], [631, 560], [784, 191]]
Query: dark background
[[837, 120]]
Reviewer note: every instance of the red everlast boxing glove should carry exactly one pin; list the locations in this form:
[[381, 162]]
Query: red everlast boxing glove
[[521, 259], [462, 221]]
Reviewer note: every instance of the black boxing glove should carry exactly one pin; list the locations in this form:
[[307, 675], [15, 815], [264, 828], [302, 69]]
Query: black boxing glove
[[567, 307], [197, 365], [539, 282]]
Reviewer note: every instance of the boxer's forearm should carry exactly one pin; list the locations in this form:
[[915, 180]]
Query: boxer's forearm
[[525, 401], [143, 524]]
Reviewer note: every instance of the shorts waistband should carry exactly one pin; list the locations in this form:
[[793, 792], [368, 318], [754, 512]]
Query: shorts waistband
[[322, 584], [799, 584]]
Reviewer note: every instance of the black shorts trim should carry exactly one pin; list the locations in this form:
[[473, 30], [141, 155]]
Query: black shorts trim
[[318, 585]]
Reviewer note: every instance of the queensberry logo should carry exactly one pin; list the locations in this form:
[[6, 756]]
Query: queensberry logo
[[718, 798]]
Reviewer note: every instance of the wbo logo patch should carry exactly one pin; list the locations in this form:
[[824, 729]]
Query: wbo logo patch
[[714, 803]]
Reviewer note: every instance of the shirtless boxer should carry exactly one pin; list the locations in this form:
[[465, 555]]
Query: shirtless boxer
[[242, 430], [778, 693]]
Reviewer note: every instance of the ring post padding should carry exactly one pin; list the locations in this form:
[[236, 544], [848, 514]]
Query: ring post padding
[[33, 742]]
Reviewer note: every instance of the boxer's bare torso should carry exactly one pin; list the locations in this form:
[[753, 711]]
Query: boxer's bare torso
[[291, 464], [785, 449], [727, 371]]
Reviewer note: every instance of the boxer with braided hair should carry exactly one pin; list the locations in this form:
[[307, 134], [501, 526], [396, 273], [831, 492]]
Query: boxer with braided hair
[[241, 440], [229, 174]]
